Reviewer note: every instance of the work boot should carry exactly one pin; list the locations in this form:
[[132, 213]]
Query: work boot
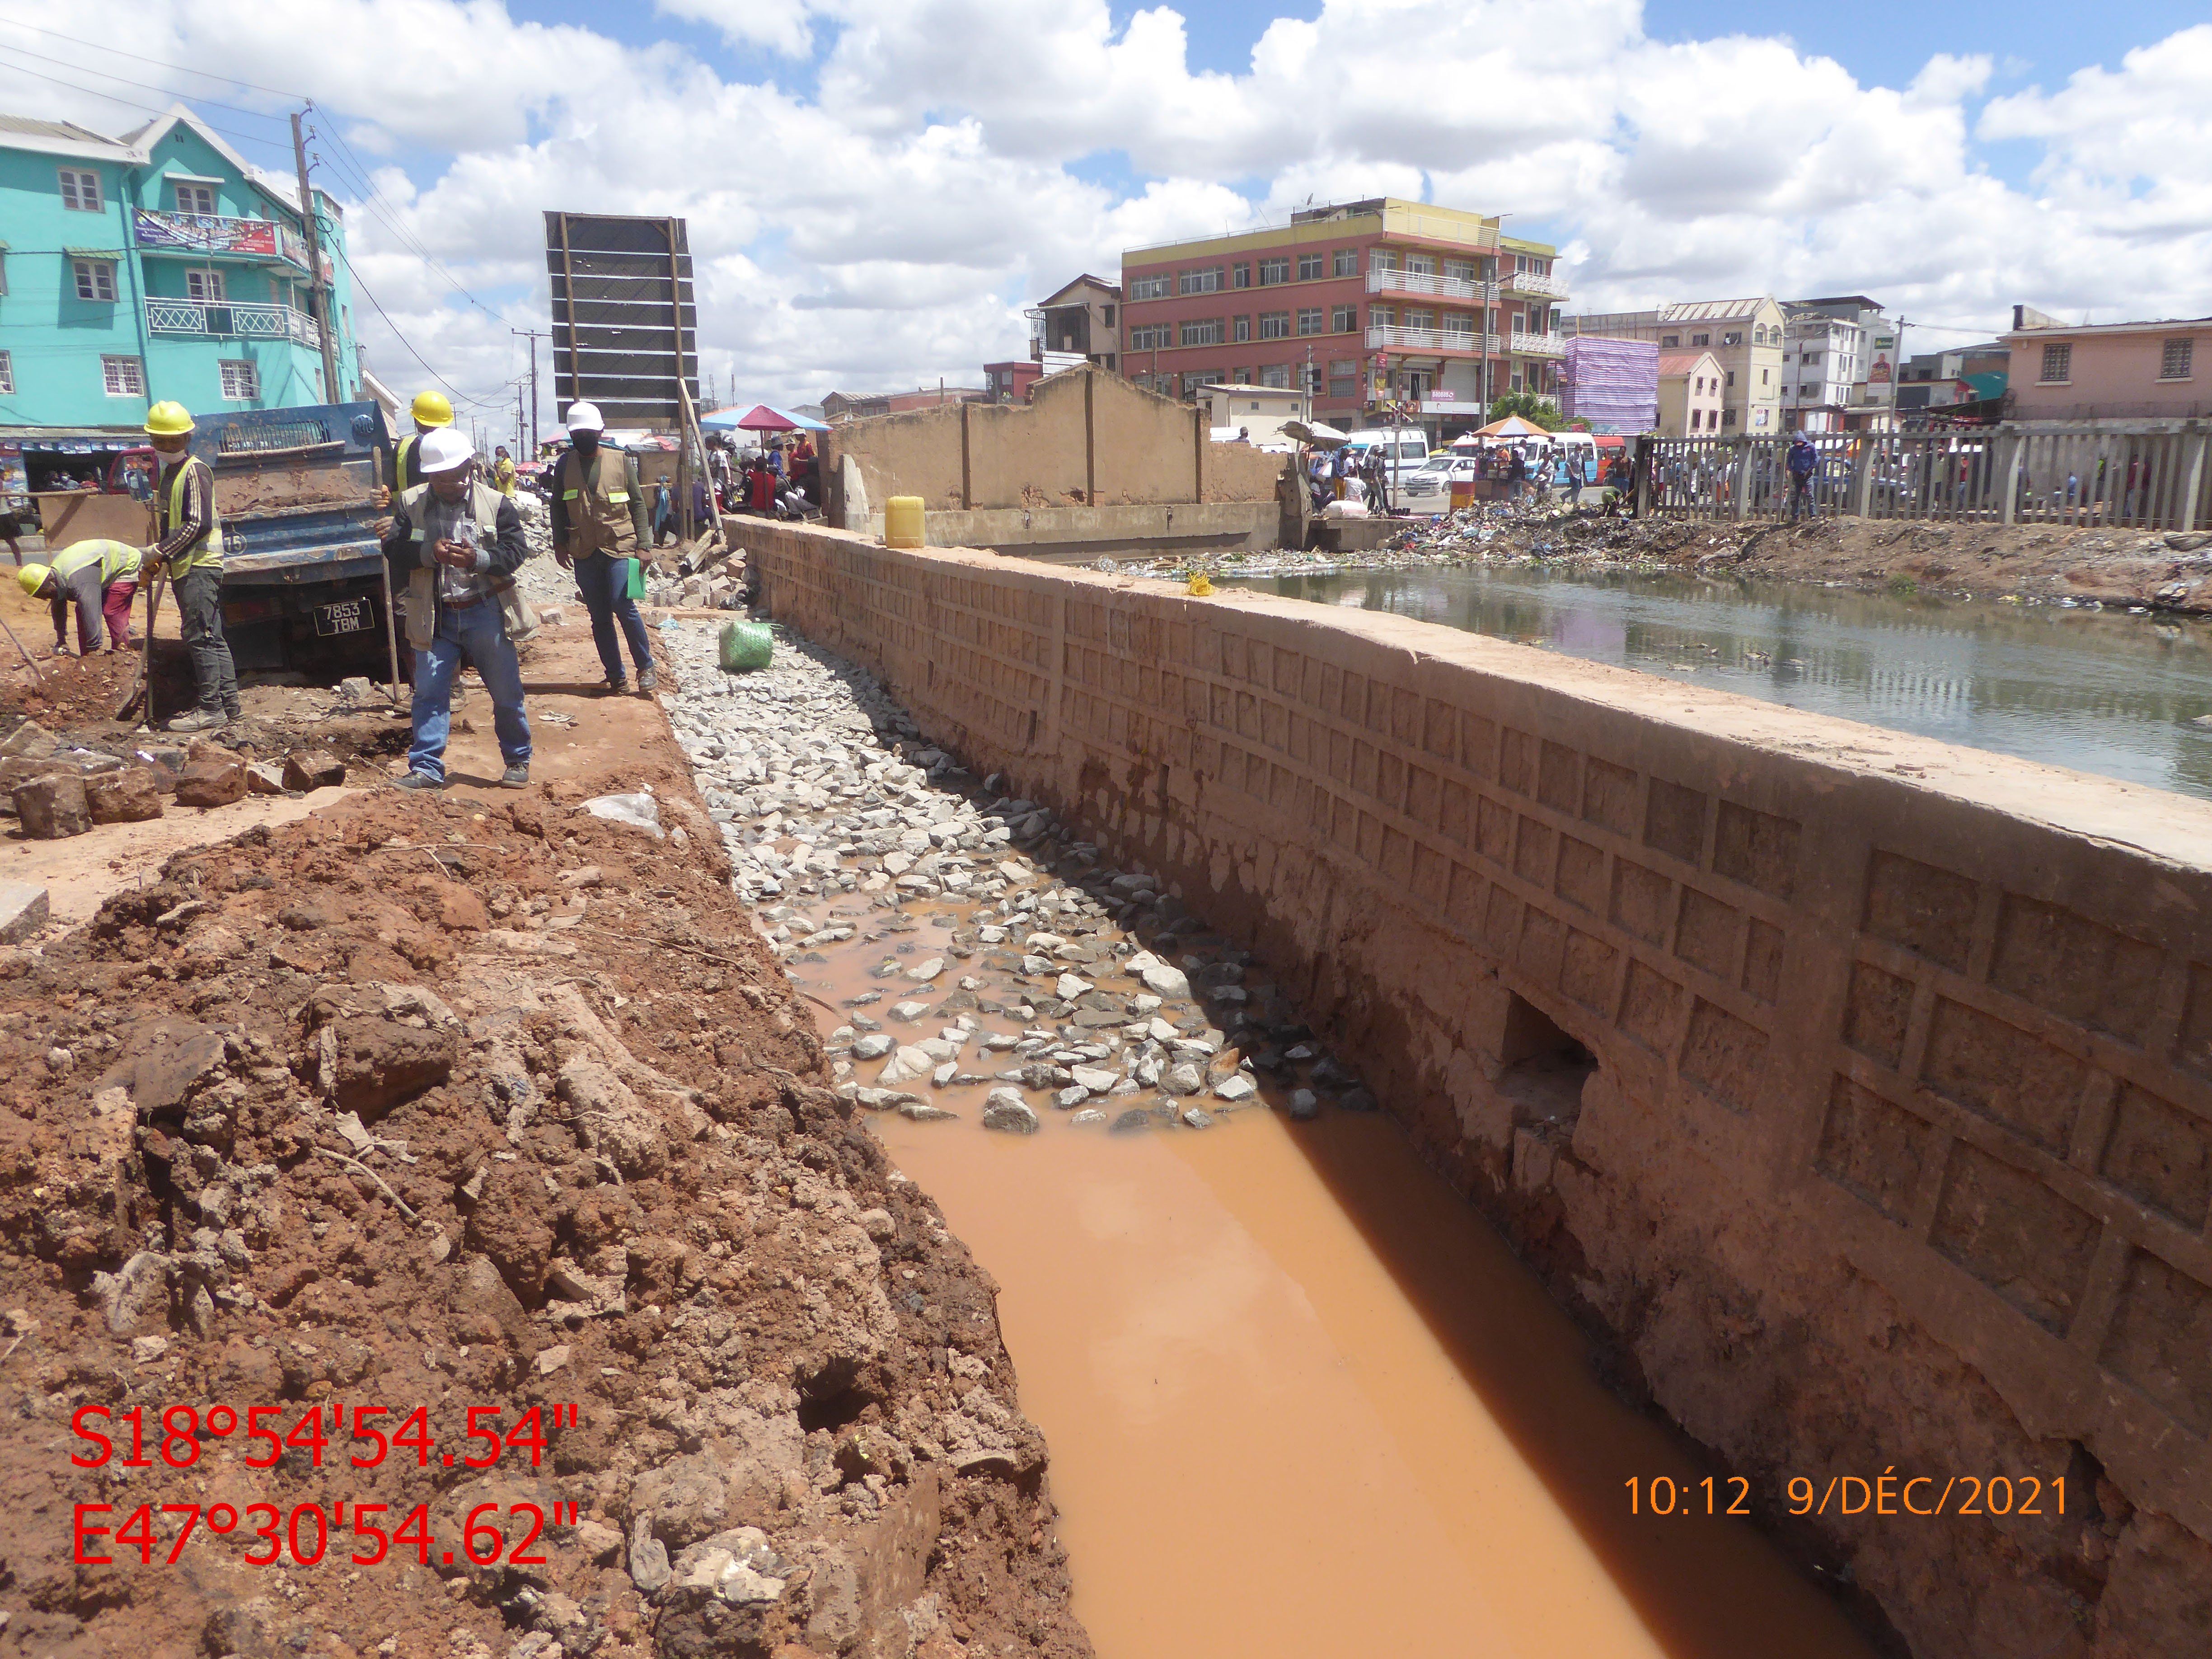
[[418, 781], [618, 687], [200, 719], [648, 678], [517, 776]]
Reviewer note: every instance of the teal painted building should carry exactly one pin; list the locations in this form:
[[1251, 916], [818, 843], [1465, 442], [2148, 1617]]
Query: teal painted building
[[156, 265]]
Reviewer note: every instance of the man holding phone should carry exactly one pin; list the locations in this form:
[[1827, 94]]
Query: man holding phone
[[456, 543]]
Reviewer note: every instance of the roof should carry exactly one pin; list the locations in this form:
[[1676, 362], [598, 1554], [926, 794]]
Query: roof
[[2062, 332], [1097, 283], [1712, 311], [1672, 363], [1842, 300]]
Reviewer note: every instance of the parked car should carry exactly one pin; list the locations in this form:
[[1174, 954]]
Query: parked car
[[1428, 486]]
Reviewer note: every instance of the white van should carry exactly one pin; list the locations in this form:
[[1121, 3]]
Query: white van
[[1404, 449]]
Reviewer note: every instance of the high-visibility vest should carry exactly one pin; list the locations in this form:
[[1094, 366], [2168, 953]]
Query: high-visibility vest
[[401, 483], [118, 561], [598, 517], [208, 548]]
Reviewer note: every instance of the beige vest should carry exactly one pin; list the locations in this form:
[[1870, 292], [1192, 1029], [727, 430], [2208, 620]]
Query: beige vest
[[422, 580], [598, 515]]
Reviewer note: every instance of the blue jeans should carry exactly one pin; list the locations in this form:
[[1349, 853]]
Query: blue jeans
[[478, 630], [603, 582]]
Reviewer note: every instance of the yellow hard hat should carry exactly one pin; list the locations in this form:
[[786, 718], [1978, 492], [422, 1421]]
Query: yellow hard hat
[[431, 408], [32, 577], [169, 420]]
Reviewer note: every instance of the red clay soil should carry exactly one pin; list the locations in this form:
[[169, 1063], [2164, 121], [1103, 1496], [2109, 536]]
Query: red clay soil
[[474, 1101]]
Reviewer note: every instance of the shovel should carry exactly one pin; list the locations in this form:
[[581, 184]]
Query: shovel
[[142, 684]]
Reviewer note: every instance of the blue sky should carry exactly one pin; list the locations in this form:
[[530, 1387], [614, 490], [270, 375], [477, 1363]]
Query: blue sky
[[875, 209]]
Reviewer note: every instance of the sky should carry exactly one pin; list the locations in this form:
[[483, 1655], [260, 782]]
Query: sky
[[876, 189]]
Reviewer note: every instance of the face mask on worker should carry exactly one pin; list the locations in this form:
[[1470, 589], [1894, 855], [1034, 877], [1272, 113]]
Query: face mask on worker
[[587, 444]]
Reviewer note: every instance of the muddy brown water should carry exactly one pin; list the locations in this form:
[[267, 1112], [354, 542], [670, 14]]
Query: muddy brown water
[[1303, 1402]]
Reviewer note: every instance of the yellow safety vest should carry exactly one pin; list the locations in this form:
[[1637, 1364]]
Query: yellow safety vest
[[401, 483], [208, 548], [118, 561]]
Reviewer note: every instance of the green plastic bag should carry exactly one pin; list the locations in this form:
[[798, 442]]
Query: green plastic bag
[[637, 579], [745, 647]]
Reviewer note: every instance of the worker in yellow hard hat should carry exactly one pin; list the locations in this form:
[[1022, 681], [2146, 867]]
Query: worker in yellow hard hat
[[98, 577], [431, 411], [188, 532]]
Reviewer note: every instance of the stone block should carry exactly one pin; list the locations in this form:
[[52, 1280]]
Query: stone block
[[210, 783], [264, 778], [313, 769], [52, 807], [29, 741], [23, 910], [130, 796]]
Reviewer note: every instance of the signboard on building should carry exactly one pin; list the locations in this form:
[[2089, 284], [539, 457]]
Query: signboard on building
[[625, 318]]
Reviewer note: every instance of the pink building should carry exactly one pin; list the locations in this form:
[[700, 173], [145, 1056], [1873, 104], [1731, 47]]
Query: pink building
[[1010, 382], [2108, 371], [1378, 305]]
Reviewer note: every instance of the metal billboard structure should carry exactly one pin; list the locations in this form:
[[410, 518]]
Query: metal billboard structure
[[625, 320]]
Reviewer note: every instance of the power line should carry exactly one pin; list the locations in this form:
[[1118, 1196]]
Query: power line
[[205, 75], [145, 86], [132, 103], [371, 194], [458, 395]]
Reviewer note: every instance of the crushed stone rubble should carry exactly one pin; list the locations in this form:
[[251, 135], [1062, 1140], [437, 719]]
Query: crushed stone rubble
[[980, 958]]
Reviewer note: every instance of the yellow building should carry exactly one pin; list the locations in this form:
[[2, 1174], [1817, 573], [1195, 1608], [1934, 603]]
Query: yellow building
[[1744, 336], [1690, 401]]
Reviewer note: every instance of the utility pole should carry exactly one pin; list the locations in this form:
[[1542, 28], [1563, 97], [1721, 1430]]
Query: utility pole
[[534, 336], [521, 452], [326, 325]]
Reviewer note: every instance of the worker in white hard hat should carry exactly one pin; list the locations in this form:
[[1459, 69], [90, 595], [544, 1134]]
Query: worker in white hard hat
[[599, 529], [457, 542]]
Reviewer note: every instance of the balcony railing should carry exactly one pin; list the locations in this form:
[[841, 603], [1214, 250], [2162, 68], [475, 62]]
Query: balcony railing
[[1539, 346], [220, 319], [213, 235], [1434, 227], [1421, 281], [1391, 336], [1527, 282]]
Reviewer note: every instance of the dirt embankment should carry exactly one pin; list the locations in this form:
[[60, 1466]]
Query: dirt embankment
[[478, 1100], [2031, 562]]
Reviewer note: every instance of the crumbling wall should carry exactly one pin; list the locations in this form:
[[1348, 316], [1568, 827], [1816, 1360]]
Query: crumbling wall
[[1861, 1086], [1085, 438]]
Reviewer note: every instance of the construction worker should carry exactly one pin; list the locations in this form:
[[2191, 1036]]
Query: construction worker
[[189, 546], [432, 413], [99, 577], [457, 542], [502, 471], [598, 526]]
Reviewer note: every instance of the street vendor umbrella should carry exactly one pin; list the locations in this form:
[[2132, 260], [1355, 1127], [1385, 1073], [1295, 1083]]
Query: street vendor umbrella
[[1315, 432], [1511, 426], [760, 417]]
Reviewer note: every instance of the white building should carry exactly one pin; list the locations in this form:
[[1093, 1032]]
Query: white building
[[1842, 364]]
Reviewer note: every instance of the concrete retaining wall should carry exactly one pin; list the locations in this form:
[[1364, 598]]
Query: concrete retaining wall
[[1084, 439], [1082, 533], [1860, 1085]]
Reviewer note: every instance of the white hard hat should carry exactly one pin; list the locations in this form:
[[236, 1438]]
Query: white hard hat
[[585, 417], [442, 450]]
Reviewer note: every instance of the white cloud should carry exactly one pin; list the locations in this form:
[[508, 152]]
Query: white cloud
[[937, 167]]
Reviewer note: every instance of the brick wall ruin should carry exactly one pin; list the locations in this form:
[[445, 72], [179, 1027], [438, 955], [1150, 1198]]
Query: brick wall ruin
[[1859, 1087]]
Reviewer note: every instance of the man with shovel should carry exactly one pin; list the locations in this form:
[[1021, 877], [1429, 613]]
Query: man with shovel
[[188, 545]]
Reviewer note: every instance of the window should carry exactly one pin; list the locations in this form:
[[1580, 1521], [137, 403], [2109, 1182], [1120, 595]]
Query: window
[[1274, 324], [2173, 360], [1421, 264], [1204, 280], [1309, 319], [1310, 266], [2058, 362], [1196, 378], [1106, 316], [1274, 270], [1733, 337], [1382, 259], [81, 191], [1275, 374], [1701, 339], [1156, 338], [1460, 271], [195, 199], [123, 377], [1345, 262], [1203, 332], [7, 375], [1766, 377], [1242, 273], [1731, 377], [96, 278], [1343, 319], [1243, 329], [205, 285], [1151, 288], [1696, 416], [1671, 340], [240, 380], [1728, 417], [1420, 319]]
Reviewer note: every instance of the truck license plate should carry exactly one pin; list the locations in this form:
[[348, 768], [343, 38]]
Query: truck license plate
[[347, 617]]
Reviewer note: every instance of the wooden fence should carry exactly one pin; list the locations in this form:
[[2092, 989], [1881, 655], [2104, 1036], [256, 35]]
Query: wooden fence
[[2143, 478]]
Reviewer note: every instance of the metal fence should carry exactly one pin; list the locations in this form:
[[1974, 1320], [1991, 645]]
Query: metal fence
[[2143, 478]]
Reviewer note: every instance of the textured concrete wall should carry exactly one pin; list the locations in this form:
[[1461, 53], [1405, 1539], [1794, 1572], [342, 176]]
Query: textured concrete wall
[[1083, 435], [1888, 1141]]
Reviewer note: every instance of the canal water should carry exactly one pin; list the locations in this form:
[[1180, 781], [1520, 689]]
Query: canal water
[[2107, 692], [1302, 1402]]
